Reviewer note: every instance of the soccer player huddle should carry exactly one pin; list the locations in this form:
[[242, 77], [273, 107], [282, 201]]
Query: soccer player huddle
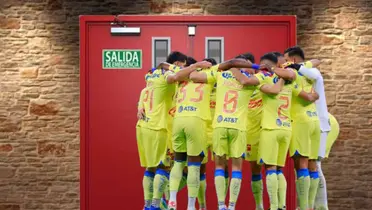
[[237, 110]]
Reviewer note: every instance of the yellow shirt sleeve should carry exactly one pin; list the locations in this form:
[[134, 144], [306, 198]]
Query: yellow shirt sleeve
[[173, 69], [212, 74], [262, 79]]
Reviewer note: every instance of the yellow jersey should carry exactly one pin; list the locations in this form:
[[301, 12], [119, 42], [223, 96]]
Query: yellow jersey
[[212, 103], [231, 101], [140, 105], [276, 108], [303, 111], [193, 98], [157, 100]]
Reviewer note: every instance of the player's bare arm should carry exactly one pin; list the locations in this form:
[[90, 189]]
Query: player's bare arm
[[273, 89], [311, 97], [185, 73], [235, 63], [286, 74], [198, 77], [244, 80]]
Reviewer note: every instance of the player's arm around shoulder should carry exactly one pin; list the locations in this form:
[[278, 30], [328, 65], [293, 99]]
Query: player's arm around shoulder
[[311, 97], [206, 75], [244, 78], [185, 73], [273, 89]]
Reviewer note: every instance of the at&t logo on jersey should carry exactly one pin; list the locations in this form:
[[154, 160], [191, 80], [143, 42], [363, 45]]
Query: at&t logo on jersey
[[284, 124], [275, 80], [187, 108], [220, 118], [311, 114]]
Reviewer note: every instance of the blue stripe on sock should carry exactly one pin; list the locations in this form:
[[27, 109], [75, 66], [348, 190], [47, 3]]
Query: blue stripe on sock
[[219, 172], [193, 164], [304, 172], [202, 177], [314, 175], [226, 174], [279, 172], [236, 175], [149, 174], [268, 172], [163, 173], [256, 177]]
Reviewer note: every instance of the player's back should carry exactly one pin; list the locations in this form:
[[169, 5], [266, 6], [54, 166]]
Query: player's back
[[276, 108], [231, 102], [157, 100]]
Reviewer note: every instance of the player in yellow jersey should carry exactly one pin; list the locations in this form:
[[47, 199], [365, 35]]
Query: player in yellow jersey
[[189, 130], [276, 125], [168, 80], [321, 202], [229, 127]]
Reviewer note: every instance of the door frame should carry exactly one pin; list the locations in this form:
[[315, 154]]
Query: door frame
[[84, 73]]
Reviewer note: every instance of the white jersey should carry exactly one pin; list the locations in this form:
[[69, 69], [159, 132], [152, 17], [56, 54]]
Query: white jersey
[[321, 103]]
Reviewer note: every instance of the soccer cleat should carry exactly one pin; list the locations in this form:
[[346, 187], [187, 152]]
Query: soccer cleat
[[155, 208], [172, 205]]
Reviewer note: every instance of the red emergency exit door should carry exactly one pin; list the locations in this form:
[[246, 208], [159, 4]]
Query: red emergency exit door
[[111, 177]]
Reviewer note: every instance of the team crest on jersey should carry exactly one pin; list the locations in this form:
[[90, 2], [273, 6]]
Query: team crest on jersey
[[219, 118], [279, 122]]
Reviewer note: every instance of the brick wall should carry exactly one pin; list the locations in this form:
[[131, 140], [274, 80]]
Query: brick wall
[[39, 97]]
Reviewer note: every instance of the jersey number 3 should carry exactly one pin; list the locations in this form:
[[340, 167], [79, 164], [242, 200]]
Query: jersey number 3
[[198, 89], [231, 97]]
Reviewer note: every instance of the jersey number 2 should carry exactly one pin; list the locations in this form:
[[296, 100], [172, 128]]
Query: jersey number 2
[[283, 106], [230, 100]]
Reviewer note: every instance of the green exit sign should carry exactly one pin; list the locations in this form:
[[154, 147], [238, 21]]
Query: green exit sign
[[122, 59]]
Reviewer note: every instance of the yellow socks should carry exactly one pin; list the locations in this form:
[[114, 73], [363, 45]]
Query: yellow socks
[[257, 190], [219, 182], [282, 189], [302, 186], [202, 190], [272, 188], [235, 184], [147, 183], [314, 183]]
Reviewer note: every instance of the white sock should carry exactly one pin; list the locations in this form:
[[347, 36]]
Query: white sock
[[191, 203], [321, 195], [173, 196], [221, 207], [156, 203]]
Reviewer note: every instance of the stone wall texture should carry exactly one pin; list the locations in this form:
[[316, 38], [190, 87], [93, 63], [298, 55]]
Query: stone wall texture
[[39, 91]]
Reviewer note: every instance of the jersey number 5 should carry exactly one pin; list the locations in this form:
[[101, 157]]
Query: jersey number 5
[[283, 107], [198, 89], [230, 100]]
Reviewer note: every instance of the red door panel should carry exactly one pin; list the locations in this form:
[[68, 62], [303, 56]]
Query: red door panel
[[241, 38], [115, 176]]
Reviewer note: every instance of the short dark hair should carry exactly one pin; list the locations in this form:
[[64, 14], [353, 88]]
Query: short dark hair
[[278, 54], [296, 50], [270, 56], [176, 56], [247, 56], [211, 60], [190, 61]]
